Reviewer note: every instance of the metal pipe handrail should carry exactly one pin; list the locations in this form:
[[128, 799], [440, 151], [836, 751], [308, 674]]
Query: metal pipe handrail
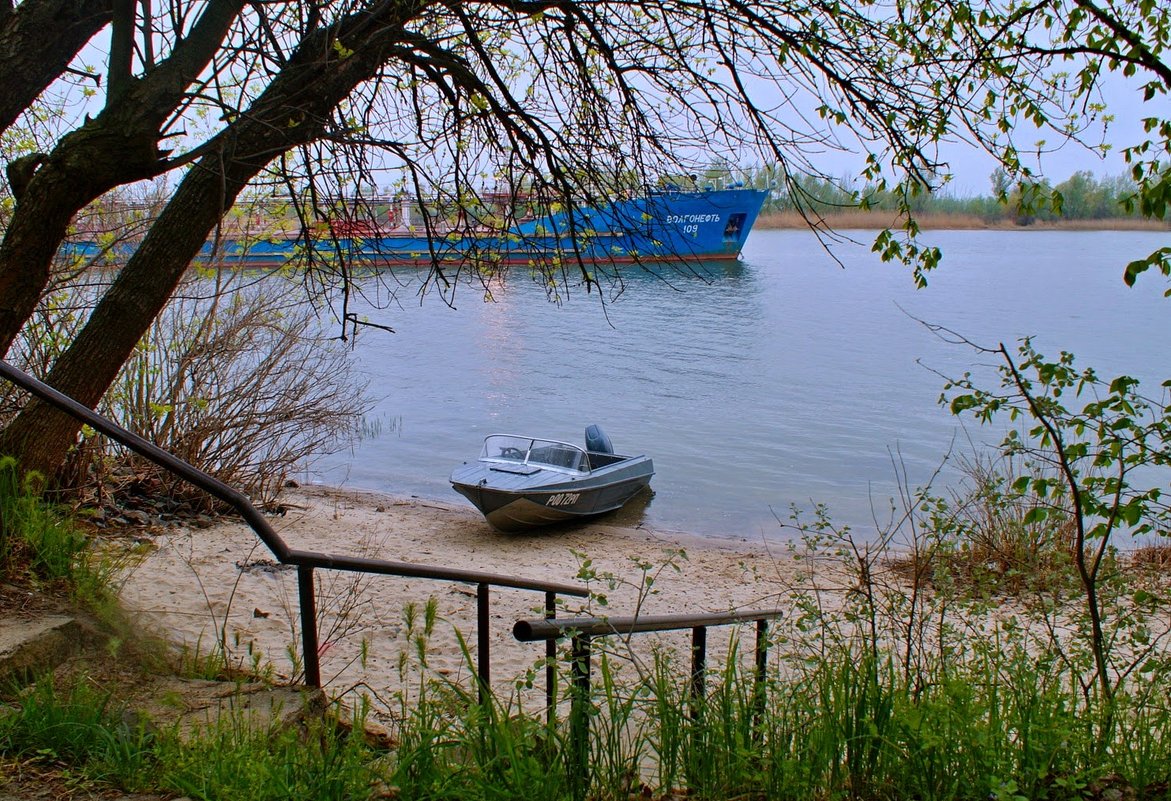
[[536, 630], [583, 630], [361, 564], [306, 561]]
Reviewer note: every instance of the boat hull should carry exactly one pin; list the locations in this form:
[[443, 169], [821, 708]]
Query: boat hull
[[534, 504]]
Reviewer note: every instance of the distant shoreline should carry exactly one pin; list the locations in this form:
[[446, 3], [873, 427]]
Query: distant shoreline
[[878, 220]]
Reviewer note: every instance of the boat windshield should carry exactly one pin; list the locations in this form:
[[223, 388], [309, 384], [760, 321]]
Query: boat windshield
[[536, 452]]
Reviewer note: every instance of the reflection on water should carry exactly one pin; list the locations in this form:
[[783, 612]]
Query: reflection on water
[[784, 378], [634, 513]]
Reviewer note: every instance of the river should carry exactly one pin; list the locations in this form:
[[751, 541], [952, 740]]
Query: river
[[786, 378]]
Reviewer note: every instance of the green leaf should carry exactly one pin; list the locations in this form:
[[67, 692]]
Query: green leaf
[[1035, 515]]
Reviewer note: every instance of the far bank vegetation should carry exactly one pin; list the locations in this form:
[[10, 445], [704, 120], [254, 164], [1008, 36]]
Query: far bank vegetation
[[1083, 202]]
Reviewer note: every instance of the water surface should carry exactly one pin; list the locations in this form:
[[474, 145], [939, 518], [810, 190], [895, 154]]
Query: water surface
[[786, 378]]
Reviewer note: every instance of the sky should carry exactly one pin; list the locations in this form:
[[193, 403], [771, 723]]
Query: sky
[[971, 168]]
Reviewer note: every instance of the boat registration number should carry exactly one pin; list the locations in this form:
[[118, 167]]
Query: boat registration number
[[563, 499]]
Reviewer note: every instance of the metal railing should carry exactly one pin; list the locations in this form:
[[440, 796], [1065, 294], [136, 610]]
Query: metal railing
[[308, 561], [582, 630]]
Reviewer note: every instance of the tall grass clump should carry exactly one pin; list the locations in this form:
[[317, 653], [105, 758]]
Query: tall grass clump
[[454, 746], [989, 536], [85, 732], [711, 743], [453, 741], [999, 703], [235, 759], [80, 727], [33, 536]]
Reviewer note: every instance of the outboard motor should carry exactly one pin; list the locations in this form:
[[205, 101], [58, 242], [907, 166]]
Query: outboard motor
[[597, 441]]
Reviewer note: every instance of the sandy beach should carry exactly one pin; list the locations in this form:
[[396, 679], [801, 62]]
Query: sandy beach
[[198, 584]]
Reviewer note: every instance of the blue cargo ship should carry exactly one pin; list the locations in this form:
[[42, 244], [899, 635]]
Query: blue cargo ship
[[671, 225]]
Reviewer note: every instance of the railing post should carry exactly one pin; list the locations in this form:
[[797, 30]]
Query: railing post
[[761, 674], [550, 662], [579, 716], [483, 641], [308, 602], [698, 666]]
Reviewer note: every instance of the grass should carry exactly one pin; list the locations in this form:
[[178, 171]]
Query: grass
[[34, 539], [46, 556], [78, 726], [984, 724], [86, 732]]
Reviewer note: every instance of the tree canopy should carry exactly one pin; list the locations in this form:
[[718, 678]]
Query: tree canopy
[[325, 99]]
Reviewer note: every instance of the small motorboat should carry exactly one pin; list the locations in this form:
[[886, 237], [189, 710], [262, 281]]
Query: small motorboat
[[524, 482]]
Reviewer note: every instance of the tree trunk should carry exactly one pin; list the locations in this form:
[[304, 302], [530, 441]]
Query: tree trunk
[[40, 436], [306, 90], [38, 40], [87, 163], [117, 147]]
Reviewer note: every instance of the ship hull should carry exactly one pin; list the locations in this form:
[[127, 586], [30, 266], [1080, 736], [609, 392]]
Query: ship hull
[[659, 227]]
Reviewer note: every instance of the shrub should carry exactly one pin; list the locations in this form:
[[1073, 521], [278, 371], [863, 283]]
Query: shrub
[[32, 535]]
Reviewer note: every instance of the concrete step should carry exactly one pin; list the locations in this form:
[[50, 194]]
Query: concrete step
[[192, 707], [33, 647]]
